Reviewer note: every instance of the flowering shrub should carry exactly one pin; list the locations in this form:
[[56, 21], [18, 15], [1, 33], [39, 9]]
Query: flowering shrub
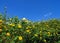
[[13, 30]]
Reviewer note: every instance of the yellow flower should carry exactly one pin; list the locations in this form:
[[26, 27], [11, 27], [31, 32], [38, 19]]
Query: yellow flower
[[44, 40], [12, 25], [40, 37], [49, 33], [20, 38], [1, 21], [35, 35], [19, 26], [0, 30], [40, 31], [28, 27], [28, 30], [8, 34]]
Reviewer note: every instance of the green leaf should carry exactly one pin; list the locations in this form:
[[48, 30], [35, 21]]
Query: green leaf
[[12, 41], [16, 38], [59, 41]]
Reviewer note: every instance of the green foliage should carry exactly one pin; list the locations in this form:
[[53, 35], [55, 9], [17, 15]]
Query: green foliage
[[13, 30]]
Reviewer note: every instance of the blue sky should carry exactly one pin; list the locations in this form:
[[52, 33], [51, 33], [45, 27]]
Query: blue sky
[[31, 9]]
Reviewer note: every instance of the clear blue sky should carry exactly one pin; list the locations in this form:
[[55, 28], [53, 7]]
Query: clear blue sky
[[32, 9]]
